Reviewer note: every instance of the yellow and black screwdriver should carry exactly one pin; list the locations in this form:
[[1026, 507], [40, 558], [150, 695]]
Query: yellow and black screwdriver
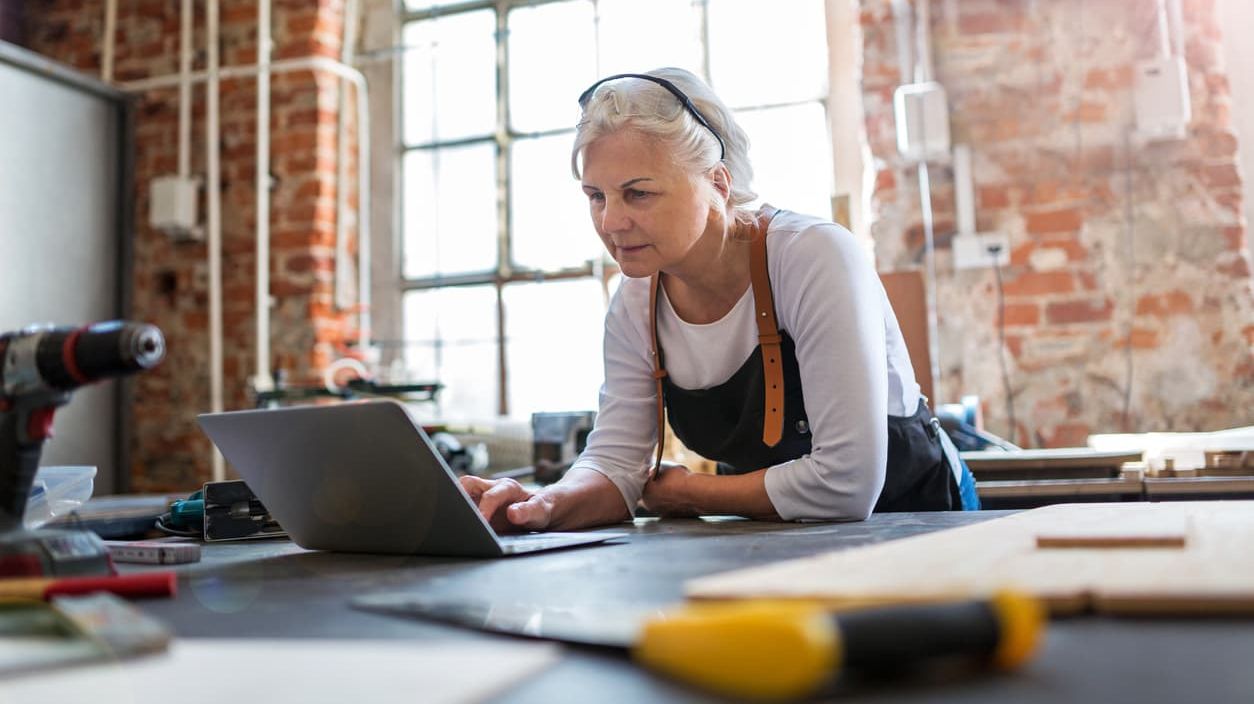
[[789, 649], [778, 649]]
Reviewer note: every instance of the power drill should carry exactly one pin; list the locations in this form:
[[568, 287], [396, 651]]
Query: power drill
[[40, 366]]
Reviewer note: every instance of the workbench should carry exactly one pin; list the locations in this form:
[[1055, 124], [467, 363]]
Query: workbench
[[273, 588]]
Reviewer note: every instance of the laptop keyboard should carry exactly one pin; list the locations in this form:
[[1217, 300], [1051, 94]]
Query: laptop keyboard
[[531, 542], [534, 539]]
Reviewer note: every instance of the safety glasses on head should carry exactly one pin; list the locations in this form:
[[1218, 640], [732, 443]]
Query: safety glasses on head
[[673, 89]]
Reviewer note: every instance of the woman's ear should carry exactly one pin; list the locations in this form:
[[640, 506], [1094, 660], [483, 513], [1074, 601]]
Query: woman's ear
[[720, 178]]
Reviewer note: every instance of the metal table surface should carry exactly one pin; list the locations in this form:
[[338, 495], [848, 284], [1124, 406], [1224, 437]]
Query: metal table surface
[[273, 588]]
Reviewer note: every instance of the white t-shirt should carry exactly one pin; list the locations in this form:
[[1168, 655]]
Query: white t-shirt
[[855, 371]]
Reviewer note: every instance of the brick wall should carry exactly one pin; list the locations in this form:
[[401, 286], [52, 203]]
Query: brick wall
[[1041, 90], [169, 453], [1115, 244]]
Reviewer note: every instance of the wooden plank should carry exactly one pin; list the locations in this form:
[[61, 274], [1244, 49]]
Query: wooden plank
[[1058, 488], [1178, 486], [1049, 459], [1112, 540], [1213, 573], [907, 295], [1151, 529]]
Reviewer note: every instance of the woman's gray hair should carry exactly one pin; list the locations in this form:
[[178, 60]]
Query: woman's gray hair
[[633, 103]]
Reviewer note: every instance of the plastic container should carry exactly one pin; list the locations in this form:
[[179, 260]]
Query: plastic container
[[57, 491]]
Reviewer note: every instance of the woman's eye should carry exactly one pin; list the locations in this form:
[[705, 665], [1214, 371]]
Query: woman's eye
[[633, 194], [596, 197]]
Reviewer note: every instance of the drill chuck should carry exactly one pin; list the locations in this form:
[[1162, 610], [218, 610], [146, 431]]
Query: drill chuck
[[65, 358]]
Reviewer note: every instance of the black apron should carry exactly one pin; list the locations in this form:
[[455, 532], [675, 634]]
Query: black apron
[[725, 423]]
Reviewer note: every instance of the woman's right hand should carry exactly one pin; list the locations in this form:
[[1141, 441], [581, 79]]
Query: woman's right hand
[[507, 506]]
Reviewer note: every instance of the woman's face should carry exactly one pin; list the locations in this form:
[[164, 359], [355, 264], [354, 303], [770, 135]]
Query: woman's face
[[648, 212]]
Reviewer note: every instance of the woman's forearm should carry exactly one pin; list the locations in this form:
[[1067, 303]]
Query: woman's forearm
[[738, 495], [584, 498]]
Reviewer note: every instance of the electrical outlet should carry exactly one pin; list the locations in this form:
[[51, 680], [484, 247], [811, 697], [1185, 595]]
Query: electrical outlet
[[985, 249]]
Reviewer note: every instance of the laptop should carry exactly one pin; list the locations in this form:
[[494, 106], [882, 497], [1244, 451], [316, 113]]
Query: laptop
[[362, 476]]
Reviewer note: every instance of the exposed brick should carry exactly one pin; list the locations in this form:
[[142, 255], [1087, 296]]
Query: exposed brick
[[1068, 435], [1217, 84], [1234, 237], [1087, 111], [993, 197], [1065, 220], [1221, 176], [1039, 283], [1144, 338], [1018, 314], [1165, 304], [1237, 267], [1079, 311], [1003, 20], [1219, 144], [1109, 78], [1230, 200], [885, 179]]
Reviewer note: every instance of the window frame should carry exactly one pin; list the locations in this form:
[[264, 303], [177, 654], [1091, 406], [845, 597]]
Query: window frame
[[503, 138]]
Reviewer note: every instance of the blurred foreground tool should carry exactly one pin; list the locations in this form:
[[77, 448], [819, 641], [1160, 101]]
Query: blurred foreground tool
[[763, 649], [783, 650], [40, 368], [71, 630], [143, 585]]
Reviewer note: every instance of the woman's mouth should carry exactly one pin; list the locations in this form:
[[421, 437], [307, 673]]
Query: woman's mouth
[[623, 249]]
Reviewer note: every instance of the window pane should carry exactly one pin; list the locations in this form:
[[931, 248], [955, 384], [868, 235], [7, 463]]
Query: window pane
[[760, 57], [551, 50], [790, 149], [672, 28], [551, 225], [450, 77], [451, 338], [450, 210], [554, 361]]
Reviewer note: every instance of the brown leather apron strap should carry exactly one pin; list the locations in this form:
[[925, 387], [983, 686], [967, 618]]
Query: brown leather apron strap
[[768, 338], [658, 374], [768, 332]]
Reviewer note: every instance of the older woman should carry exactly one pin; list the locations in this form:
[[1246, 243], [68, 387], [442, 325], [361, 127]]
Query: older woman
[[765, 335]]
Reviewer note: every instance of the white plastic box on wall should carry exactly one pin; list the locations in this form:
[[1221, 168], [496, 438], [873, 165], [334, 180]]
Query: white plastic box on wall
[[922, 115], [172, 206], [1163, 107]]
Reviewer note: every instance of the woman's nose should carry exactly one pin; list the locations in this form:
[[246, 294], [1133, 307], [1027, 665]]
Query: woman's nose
[[614, 217]]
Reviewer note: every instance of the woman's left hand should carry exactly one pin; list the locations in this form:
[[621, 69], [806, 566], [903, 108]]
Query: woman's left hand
[[669, 493]]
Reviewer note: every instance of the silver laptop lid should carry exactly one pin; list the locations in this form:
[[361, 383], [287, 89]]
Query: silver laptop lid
[[355, 477]]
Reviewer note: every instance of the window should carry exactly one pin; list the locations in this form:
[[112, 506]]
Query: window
[[505, 281]]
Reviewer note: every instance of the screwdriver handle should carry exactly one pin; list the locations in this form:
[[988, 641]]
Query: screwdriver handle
[[788, 649]]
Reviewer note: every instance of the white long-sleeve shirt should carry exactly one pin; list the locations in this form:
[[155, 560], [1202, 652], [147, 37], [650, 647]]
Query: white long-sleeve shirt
[[855, 371]]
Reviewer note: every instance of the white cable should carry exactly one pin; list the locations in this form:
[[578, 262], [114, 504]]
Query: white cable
[[185, 89], [1164, 31], [929, 258], [214, 198], [341, 158], [903, 22], [261, 378], [923, 36]]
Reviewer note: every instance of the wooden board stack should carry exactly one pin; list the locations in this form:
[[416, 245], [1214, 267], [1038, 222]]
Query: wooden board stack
[[1182, 558]]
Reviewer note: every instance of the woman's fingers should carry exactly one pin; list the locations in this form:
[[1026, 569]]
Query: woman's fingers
[[506, 505], [474, 486], [532, 514], [501, 493]]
